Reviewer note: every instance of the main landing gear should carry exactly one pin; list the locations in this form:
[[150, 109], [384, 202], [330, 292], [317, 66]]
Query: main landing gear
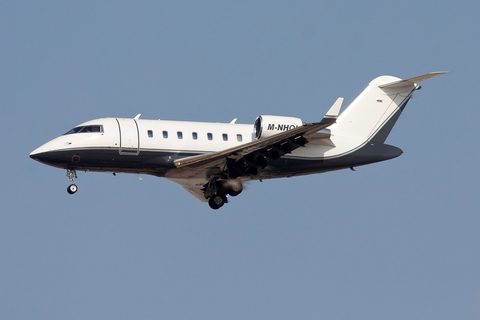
[[72, 174], [216, 192], [217, 200]]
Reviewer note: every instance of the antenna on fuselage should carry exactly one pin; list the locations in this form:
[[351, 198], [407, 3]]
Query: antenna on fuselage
[[138, 116]]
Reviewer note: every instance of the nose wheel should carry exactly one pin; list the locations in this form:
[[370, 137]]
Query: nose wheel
[[71, 189], [72, 174]]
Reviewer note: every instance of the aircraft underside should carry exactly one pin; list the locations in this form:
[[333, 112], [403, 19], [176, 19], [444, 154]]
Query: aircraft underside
[[161, 164]]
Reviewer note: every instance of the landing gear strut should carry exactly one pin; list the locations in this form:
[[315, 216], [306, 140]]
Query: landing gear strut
[[72, 174]]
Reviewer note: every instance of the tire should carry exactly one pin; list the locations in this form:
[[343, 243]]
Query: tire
[[72, 189], [235, 191], [217, 201], [233, 188]]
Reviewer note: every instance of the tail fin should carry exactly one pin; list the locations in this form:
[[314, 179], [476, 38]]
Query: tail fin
[[372, 115]]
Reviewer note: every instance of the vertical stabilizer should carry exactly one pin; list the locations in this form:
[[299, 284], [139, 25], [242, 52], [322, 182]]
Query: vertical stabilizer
[[371, 116]]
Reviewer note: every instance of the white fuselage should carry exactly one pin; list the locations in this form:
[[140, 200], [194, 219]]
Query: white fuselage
[[151, 147]]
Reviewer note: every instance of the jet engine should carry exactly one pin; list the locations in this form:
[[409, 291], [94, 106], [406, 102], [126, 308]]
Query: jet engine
[[266, 126]]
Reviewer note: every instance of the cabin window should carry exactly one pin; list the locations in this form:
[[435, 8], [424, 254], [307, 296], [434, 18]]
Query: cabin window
[[83, 129], [239, 137], [194, 136], [209, 136], [179, 135], [150, 133], [225, 137], [165, 134]]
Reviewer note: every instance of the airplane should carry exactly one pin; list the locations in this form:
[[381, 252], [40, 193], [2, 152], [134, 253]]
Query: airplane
[[212, 161]]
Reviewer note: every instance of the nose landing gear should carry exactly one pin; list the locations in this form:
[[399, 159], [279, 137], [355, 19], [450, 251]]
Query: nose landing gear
[[72, 174]]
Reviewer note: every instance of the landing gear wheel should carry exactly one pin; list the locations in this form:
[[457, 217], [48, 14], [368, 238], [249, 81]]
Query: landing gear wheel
[[235, 190], [217, 201], [72, 189], [233, 187]]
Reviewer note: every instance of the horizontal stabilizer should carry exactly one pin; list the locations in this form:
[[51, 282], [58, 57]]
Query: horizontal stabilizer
[[411, 81]]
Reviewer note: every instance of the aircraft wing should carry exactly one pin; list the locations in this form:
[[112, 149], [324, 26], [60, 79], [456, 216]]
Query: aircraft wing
[[258, 153], [243, 157], [243, 150]]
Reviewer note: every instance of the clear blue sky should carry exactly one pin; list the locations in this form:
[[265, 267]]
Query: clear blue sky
[[394, 240]]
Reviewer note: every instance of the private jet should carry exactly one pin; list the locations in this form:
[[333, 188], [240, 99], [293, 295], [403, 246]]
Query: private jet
[[212, 161]]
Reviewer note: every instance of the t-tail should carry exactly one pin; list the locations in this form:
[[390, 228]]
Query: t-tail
[[372, 115]]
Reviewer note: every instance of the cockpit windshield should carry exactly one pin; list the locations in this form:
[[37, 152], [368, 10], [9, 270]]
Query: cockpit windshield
[[83, 129]]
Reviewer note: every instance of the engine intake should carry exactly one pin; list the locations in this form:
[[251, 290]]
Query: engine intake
[[266, 126]]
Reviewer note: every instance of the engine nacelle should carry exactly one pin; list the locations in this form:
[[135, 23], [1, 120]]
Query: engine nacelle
[[266, 126]]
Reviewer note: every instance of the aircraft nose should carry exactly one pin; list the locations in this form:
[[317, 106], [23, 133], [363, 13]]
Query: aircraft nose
[[43, 153], [53, 153], [38, 153], [39, 150]]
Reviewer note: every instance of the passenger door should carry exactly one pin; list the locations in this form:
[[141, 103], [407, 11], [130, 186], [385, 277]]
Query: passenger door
[[129, 137]]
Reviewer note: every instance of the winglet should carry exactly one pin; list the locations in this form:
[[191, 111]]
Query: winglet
[[411, 81], [333, 112]]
